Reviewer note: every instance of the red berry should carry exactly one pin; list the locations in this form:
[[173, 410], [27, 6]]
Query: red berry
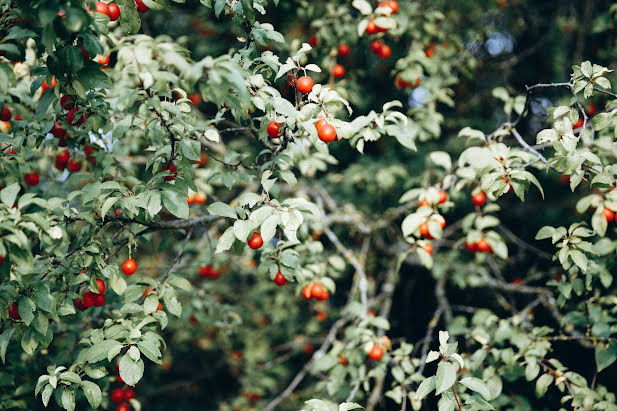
[[88, 299], [141, 7], [57, 130], [371, 27], [114, 11], [99, 300], [423, 203], [279, 279], [478, 198], [327, 133], [428, 247], [375, 46], [101, 7], [117, 395], [89, 150], [304, 84], [578, 124], [5, 114], [66, 101], [124, 406], [321, 316], [320, 123], [338, 71], [424, 230], [442, 196], [312, 40], [307, 291], [343, 50], [317, 291], [74, 165], [376, 353], [470, 247], [2, 257], [608, 214], [385, 51], [62, 159], [591, 110], [204, 271], [14, 312], [101, 284], [31, 179], [483, 246], [392, 5], [274, 129], [73, 120], [430, 51], [129, 394], [80, 305], [172, 169], [256, 241], [129, 266]]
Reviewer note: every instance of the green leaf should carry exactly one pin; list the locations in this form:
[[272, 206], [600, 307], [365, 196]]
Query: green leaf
[[92, 392], [99, 350], [180, 282], [225, 241], [222, 209], [8, 195], [131, 371], [605, 355], [445, 378], [5, 337], [191, 149], [26, 309], [542, 384], [47, 391], [425, 388], [477, 385], [175, 203]]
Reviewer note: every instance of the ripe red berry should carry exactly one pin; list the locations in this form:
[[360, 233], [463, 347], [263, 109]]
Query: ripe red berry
[[73, 120], [338, 71], [204, 271], [392, 5], [101, 7], [129, 266], [256, 241], [578, 124], [114, 11], [327, 133], [312, 40], [279, 279], [74, 165], [591, 110], [2, 259], [317, 290], [99, 300], [31, 179], [172, 169], [88, 299], [159, 307], [129, 394], [375, 46], [385, 51], [57, 130], [424, 230], [63, 157], [66, 102], [428, 247], [371, 27], [5, 114], [117, 395], [80, 305], [430, 51], [483, 246], [376, 353], [14, 312], [423, 202], [124, 406], [304, 84], [141, 7], [608, 214], [101, 284], [470, 247], [307, 291], [342, 360], [104, 60], [274, 129], [343, 50], [320, 123], [479, 198], [321, 316], [442, 196]]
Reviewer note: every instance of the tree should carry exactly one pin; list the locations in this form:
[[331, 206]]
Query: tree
[[280, 205]]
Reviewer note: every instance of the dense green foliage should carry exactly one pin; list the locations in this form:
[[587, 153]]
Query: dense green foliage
[[187, 221]]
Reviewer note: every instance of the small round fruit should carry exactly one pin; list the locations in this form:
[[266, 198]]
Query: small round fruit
[[342, 360], [274, 129], [375, 46], [114, 11], [307, 291], [66, 102], [428, 247], [5, 114], [141, 7], [317, 290], [256, 241], [172, 169], [101, 284], [338, 71], [104, 60], [57, 130], [117, 395], [578, 124], [376, 353], [479, 198], [471, 247], [199, 198], [74, 165], [393, 6], [327, 133], [279, 279], [99, 300], [73, 120], [159, 307], [423, 203], [31, 179], [442, 196], [101, 7], [63, 157], [320, 123], [312, 40], [124, 406], [430, 51], [80, 305], [483, 246], [371, 27], [343, 50], [304, 84], [424, 230], [129, 266], [321, 316], [608, 214], [385, 51], [14, 312], [88, 299], [129, 394]]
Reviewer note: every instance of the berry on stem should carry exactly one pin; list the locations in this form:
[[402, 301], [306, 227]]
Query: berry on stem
[[304, 84], [376, 353], [326, 133], [256, 241], [14, 312], [129, 266], [479, 198], [279, 279], [338, 71], [274, 129]]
